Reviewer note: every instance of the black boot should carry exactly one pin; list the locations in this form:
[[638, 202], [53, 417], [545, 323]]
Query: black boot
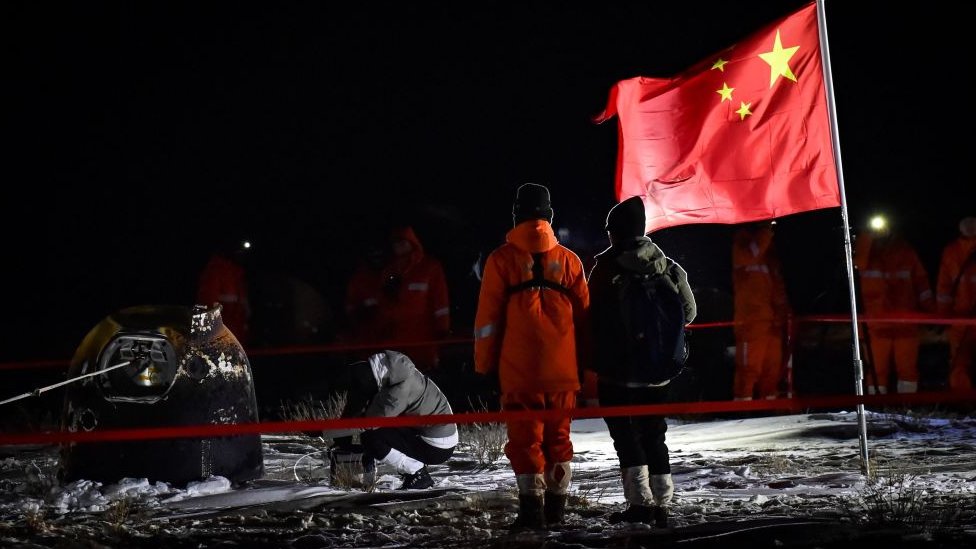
[[555, 507], [660, 516], [530, 514], [416, 481], [634, 513]]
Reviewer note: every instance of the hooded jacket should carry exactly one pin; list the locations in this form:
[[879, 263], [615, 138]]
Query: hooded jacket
[[415, 301], [529, 338], [405, 391], [639, 255]]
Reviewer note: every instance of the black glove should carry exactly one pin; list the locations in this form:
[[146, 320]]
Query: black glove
[[343, 442], [488, 389]]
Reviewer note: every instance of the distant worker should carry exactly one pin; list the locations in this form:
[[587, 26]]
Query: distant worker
[[955, 297], [224, 280], [529, 322], [389, 385], [893, 285], [416, 300], [761, 310], [364, 293]]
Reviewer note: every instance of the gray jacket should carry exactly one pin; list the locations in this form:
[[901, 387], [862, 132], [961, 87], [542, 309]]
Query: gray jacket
[[405, 391]]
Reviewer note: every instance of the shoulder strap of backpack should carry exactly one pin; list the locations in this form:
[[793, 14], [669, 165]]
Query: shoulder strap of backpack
[[538, 280]]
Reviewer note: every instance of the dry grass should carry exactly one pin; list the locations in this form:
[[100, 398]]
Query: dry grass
[[776, 464], [891, 496], [35, 519], [118, 513], [583, 498], [350, 474], [309, 408], [485, 441]]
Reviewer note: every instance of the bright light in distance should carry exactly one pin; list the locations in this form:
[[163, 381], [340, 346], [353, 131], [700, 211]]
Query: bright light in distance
[[246, 244], [878, 223]]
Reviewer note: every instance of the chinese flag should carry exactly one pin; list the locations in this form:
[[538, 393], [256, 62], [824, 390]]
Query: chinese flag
[[742, 136]]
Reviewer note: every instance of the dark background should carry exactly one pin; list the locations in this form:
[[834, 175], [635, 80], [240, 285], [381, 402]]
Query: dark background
[[143, 135]]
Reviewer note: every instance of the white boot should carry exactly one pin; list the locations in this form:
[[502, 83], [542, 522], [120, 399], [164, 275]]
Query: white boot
[[637, 488], [558, 478], [662, 486], [403, 463], [907, 386], [530, 485], [531, 488], [637, 494]]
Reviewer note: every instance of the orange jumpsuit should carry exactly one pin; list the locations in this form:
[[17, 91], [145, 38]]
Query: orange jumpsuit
[[224, 281], [956, 256], [415, 304], [893, 283], [364, 292], [963, 346], [761, 309], [529, 339]]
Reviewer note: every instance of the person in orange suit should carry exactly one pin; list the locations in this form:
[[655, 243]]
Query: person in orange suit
[[893, 283], [529, 332], [761, 309], [364, 293], [415, 304], [224, 280], [954, 296]]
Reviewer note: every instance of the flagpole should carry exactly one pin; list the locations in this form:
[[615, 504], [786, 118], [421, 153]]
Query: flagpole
[[835, 143]]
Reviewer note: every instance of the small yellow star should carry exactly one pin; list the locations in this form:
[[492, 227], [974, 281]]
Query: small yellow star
[[720, 64], [725, 92], [743, 110], [778, 60]]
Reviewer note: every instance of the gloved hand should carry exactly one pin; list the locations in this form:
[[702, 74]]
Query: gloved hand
[[488, 385]]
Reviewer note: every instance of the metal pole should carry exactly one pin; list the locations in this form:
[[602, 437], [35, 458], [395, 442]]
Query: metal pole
[[38, 391], [835, 143]]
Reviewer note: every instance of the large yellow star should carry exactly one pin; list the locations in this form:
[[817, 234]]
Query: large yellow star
[[720, 64], [778, 61], [743, 110], [725, 92]]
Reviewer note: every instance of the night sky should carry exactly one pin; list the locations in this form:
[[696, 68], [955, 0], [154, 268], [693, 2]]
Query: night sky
[[142, 135]]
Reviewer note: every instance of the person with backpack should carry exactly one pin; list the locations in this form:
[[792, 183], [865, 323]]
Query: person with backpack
[[531, 315], [640, 304]]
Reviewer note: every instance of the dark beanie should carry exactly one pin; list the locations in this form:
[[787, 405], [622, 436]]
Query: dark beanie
[[627, 219], [531, 202]]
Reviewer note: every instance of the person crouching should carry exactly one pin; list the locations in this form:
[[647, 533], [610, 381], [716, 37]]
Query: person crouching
[[388, 384]]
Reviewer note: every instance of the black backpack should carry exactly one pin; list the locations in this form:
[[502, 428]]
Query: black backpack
[[654, 322]]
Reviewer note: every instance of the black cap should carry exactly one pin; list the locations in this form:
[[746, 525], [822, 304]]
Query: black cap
[[531, 202], [627, 219]]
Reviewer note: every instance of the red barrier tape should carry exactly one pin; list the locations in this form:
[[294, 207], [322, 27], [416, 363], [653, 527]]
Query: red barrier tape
[[919, 318], [792, 405], [346, 347]]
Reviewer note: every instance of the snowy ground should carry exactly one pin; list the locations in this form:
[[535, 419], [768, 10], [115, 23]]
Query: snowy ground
[[765, 481]]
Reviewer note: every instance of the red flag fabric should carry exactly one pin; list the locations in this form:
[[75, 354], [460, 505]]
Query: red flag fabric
[[744, 135]]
